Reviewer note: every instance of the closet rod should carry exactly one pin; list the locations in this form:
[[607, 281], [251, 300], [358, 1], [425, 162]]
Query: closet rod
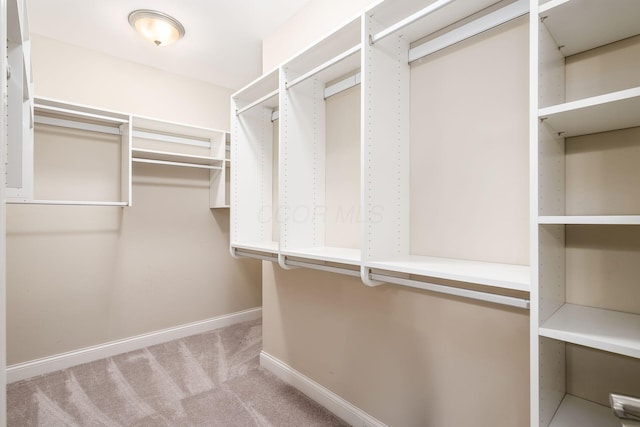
[[72, 124], [256, 102], [65, 203], [80, 113], [450, 290], [166, 162], [144, 134], [478, 26], [408, 20], [342, 85], [324, 66], [355, 273], [270, 258]]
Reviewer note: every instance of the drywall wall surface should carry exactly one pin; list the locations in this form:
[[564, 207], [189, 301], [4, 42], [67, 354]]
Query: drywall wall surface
[[83, 276], [313, 22], [83, 76], [342, 175], [405, 356], [470, 149]]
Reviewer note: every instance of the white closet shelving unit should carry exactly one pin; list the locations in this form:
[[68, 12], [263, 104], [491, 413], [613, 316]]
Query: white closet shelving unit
[[304, 82], [252, 154], [143, 140], [86, 119], [559, 29], [175, 144], [374, 51], [20, 111], [395, 33]]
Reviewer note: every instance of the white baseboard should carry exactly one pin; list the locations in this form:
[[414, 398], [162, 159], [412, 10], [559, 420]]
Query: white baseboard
[[341, 408], [45, 365]]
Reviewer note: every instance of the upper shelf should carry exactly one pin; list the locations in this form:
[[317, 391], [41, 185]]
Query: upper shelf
[[326, 49], [262, 90], [413, 20], [146, 127], [611, 111], [607, 330], [508, 276], [580, 25], [68, 110]]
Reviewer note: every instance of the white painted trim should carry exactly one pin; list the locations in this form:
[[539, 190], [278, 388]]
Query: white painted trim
[[337, 405], [45, 365]]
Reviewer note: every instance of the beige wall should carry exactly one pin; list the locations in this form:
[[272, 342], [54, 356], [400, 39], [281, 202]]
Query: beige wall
[[73, 73], [405, 356], [81, 276]]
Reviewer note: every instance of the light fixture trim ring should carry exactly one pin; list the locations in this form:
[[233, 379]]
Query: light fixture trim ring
[[148, 13]]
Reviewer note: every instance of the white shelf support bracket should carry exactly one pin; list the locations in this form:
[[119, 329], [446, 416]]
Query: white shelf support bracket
[[365, 275], [282, 261]]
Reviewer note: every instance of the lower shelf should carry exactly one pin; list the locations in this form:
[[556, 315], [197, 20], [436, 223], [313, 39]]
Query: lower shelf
[[576, 412], [607, 330]]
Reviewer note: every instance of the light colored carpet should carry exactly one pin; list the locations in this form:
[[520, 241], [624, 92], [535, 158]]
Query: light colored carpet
[[211, 379]]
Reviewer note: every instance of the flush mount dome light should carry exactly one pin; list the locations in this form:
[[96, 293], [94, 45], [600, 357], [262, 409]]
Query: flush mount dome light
[[159, 28]]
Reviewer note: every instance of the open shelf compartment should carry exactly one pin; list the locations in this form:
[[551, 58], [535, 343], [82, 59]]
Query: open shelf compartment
[[395, 134], [581, 25], [254, 162], [320, 151]]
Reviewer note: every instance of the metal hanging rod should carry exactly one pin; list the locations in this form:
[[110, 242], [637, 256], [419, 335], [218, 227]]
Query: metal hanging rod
[[166, 162], [65, 203], [342, 85], [72, 124], [330, 91], [450, 290], [408, 20], [146, 134], [257, 102], [324, 66], [478, 26], [296, 263], [270, 258], [80, 114]]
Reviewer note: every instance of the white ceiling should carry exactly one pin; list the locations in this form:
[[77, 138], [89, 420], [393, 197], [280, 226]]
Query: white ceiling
[[222, 44]]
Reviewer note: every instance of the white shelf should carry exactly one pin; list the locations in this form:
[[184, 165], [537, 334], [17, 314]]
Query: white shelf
[[266, 246], [590, 219], [508, 276], [576, 412], [616, 110], [580, 25], [403, 14], [175, 157], [328, 254], [607, 330], [148, 127]]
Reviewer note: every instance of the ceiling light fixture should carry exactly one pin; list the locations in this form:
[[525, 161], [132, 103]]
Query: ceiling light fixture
[[157, 27]]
